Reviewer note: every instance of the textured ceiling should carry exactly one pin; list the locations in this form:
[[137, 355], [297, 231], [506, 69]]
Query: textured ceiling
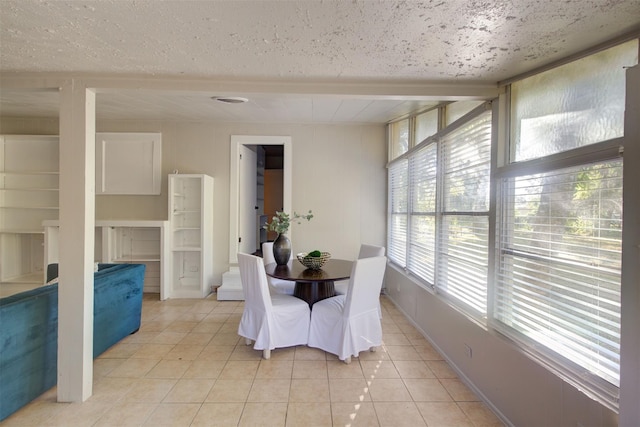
[[387, 42]]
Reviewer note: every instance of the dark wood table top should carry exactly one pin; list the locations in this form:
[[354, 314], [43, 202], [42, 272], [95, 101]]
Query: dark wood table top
[[332, 270]]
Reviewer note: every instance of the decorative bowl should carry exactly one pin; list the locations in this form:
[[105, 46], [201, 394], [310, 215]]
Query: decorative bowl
[[314, 263]]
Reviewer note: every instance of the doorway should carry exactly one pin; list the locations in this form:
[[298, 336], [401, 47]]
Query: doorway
[[242, 218]]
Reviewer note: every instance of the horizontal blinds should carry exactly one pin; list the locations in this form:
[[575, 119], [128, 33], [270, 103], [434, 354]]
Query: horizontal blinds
[[398, 209], [558, 278], [423, 168], [463, 234]]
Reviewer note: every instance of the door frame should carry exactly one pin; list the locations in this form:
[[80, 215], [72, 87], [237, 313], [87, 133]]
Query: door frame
[[234, 182]]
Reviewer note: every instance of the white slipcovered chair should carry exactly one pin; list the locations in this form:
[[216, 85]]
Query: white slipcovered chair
[[271, 321], [366, 251], [345, 325], [277, 285]]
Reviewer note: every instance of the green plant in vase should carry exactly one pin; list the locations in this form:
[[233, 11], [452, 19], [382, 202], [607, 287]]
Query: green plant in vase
[[280, 223]]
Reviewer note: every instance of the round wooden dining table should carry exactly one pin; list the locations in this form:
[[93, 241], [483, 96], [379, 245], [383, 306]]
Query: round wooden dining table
[[312, 285]]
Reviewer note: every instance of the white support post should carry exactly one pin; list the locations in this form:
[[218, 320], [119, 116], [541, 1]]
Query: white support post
[[77, 218]]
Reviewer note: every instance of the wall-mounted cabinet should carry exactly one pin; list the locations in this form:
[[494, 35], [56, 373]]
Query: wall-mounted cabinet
[[128, 163], [191, 229]]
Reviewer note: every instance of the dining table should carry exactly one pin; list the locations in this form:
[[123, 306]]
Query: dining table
[[312, 285]]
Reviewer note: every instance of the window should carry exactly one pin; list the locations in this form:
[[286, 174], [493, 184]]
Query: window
[[542, 266], [399, 134], [439, 210], [559, 234]]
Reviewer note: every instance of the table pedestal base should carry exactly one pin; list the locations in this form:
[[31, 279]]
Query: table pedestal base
[[312, 292]]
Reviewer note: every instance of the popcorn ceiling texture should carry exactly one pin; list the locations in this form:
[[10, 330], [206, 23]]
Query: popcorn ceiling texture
[[440, 40]]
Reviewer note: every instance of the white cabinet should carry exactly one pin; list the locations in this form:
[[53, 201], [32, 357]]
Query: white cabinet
[[128, 163], [191, 229], [29, 173]]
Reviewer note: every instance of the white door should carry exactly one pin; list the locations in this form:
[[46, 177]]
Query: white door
[[248, 198]]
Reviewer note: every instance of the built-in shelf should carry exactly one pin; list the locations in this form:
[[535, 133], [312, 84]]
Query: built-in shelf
[[191, 225]]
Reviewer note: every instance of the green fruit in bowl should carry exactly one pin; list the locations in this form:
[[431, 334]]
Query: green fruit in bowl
[[315, 254]]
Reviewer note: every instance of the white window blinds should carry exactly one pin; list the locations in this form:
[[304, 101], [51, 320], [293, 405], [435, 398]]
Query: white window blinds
[[462, 248], [559, 265], [398, 207]]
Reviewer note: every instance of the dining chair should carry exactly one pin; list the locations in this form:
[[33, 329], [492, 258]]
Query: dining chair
[[366, 251], [345, 325], [279, 286], [270, 320]]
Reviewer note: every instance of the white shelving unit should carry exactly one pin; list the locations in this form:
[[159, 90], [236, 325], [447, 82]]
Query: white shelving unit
[[29, 177], [191, 229], [130, 242]]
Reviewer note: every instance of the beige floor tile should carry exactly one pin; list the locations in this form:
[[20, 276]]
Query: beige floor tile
[[480, 415], [398, 414], [169, 369], [207, 327], [395, 339], [275, 369], [153, 325], [389, 390], [263, 414], [121, 351], [182, 325], [441, 369], [309, 369], [102, 367], [389, 327], [413, 369], [221, 338], [339, 369], [204, 369], [36, 414], [443, 414], [309, 390], [348, 390], [459, 391], [379, 369], [309, 414], [402, 352], [308, 353], [152, 351], [239, 370], [270, 390], [245, 352], [149, 390], [361, 414], [79, 414], [173, 415], [218, 414], [133, 368], [126, 414], [189, 391], [216, 352], [184, 352], [196, 338], [228, 391], [427, 390], [169, 337], [111, 389], [427, 352], [379, 354], [192, 317], [217, 317]]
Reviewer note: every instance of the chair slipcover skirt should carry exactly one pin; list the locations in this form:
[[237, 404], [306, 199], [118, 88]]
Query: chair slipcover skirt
[[272, 321]]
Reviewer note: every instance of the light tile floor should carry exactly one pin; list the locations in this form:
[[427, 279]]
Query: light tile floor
[[187, 366]]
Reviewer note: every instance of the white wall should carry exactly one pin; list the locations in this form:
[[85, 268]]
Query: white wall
[[338, 172]]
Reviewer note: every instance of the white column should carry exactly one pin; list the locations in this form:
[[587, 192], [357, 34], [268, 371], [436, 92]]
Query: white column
[[630, 342], [76, 250]]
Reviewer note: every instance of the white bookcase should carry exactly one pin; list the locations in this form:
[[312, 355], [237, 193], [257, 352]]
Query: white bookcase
[[191, 230], [29, 175]]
